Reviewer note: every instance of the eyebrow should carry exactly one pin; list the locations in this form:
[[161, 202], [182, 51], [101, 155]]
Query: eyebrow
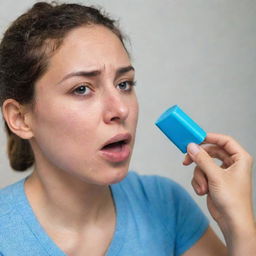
[[94, 73]]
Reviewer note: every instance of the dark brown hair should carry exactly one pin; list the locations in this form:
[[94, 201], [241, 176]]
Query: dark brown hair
[[25, 49]]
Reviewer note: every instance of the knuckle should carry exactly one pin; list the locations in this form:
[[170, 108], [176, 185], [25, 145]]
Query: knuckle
[[249, 159], [193, 183], [229, 138], [246, 156], [195, 186]]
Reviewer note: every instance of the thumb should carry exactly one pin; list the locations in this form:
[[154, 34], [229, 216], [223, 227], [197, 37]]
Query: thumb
[[202, 159]]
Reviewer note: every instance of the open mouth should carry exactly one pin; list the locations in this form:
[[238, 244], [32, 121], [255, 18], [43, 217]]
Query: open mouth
[[115, 146], [117, 149]]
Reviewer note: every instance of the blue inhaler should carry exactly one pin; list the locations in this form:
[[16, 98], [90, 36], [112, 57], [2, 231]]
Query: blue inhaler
[[180, 128]]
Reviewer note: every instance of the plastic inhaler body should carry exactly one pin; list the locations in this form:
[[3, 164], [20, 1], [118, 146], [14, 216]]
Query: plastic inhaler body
[[180, 128]]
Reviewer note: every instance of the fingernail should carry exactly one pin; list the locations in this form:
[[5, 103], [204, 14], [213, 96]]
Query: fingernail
[[193, 148]]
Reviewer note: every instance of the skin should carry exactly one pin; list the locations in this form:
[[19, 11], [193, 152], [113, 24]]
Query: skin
[[228, 188], [71, 179], [66, 131]]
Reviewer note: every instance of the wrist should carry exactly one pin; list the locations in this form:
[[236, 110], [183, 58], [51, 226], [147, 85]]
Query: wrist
[[240, 235], [242, 243], [237, 219], [238, 225]]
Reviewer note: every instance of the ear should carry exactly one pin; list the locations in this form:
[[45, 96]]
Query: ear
[[16, 117]]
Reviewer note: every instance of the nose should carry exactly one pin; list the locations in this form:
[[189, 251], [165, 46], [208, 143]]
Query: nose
[[115, 107]]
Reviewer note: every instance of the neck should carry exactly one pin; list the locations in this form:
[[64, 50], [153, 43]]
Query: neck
[[67, 201]]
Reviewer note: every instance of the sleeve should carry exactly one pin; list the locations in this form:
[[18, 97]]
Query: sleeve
[[189, 223]]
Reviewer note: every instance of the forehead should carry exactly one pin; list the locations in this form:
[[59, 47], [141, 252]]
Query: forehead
[[92, 45]]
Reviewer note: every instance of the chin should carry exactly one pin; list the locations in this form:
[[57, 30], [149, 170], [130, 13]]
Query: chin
[[105, 175], [115, 175]]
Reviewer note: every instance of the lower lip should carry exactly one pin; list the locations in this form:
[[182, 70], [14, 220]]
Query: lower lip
[[116, 156]]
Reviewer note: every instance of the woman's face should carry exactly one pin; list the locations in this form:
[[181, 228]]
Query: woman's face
[[84, 101]]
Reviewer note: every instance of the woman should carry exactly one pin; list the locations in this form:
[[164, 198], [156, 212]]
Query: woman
[[70, 109]]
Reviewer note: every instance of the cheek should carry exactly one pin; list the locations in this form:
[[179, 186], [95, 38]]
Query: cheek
[[65, 121], [134, 111], [65, 115], [66, 133]]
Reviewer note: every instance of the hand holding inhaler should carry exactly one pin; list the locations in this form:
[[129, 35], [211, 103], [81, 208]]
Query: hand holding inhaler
[[228, 187]]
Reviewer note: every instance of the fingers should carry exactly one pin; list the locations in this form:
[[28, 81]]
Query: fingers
[[202, 159], [187, 160], [199, 182], [218, 153], [214, 152], [230, 145], [222, 147]]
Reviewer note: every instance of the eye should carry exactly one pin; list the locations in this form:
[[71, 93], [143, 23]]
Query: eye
[[126, 85], [82, 90]]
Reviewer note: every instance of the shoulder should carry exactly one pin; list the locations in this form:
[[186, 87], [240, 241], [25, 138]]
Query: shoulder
[[158, 190], [170, 203], [7, 197], [152, 184], [161, 194]]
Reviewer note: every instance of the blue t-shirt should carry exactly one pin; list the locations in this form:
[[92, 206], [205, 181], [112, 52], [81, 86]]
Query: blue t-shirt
[[155, 217]]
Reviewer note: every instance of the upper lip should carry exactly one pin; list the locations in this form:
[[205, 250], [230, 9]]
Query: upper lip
[[126, 137]]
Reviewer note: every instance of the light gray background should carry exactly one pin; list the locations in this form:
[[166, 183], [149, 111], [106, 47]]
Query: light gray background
[[198, 54]]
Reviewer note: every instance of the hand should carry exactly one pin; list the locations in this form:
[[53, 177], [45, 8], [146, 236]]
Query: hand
[[229, 186]]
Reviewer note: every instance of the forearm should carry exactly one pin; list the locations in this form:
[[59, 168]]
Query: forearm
[[240, 237], [244, 244]]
